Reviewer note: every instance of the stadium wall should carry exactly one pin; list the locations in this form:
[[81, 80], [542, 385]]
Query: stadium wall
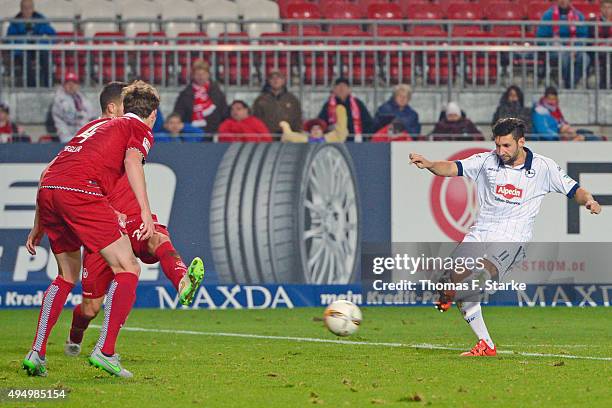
[[247, 210]]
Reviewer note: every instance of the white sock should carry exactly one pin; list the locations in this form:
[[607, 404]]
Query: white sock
[[472, 313]]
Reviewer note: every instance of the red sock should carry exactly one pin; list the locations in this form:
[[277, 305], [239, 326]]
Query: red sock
[[119, 302], [172, 265], [80, 322], [52, 305]]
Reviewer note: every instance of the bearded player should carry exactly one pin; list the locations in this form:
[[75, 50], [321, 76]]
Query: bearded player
[[512, 182], [97, 276], [72, 208]]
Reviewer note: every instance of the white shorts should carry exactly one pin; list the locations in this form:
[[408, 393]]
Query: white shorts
[[503, 255]]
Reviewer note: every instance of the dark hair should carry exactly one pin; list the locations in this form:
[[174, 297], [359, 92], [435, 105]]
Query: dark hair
[[551, 90], [5, 107], [341, 80], [506, 126], [240, 102], [519, 93], [111, 93], [140, 99], [174, 115]]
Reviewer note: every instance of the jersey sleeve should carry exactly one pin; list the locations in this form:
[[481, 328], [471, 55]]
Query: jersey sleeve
[[560, 182], [141, 139], [472, 166]]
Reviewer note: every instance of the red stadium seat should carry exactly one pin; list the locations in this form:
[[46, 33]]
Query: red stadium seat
[[346, 30], [150, 64], [384, 11], [318, 66], [357, 66], [284, 4], [591, 11], [536, 9], [303, 11], [502, 31], [365, 4], [347, 11], [277, 59], [464, 11], [398, 65], [74, 61], [306, 29], [186, 58], [109, 65], [504, 11], [236, 65], [48, 139], [388, 30], [425, 12]]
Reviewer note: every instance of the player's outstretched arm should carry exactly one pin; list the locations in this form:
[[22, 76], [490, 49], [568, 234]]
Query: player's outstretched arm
[[439, 168], [136, 177], [583, 197]]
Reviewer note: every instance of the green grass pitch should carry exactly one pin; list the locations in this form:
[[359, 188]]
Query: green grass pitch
[[189, 369]]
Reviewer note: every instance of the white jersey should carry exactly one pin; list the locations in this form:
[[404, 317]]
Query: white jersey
[[510, 197]]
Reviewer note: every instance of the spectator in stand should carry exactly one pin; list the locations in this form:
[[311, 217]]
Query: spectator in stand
[[277, 104], [393, 132], [71, 109], [34, 60], [359, 120], [548, 120], [202, 103], [397, 108], [604, 33], [176, 130], [454, 122], [564, 11], [512, 105], [241, 126], [314, 130], [8, 129]]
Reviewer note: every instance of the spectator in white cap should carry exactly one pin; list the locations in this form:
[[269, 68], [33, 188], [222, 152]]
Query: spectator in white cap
[[71, 109], [453, 122]]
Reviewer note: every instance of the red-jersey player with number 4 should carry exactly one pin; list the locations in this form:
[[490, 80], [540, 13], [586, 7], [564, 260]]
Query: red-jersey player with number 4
[[73, 210]]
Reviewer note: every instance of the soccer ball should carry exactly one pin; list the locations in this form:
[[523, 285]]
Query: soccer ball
[[342, 318]]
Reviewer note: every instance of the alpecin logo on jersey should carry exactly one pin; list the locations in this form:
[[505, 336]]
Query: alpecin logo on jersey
[[508, 191]]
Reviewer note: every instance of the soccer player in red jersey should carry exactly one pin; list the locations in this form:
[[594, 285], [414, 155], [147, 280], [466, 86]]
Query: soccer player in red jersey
[[73, 210], [97, 275]]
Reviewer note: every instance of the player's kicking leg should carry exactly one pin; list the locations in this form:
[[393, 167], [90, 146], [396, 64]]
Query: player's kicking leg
[[69, 265], [185, 280], [119, 301]]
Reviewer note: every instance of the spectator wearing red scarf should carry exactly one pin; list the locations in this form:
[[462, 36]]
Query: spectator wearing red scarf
[[548, 120], [241, 126], [202, 103], [563, 11], [359, 120]]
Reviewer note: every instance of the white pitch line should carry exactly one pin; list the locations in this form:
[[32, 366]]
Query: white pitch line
[[425, 346]]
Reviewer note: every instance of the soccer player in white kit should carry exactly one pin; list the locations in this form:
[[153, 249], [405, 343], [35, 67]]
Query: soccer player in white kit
[[512, 182]]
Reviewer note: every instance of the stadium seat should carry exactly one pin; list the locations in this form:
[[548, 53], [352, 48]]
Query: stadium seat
[[48, 139], [64, 61], [397, 66], [179, 9], [409, 5], [139, 9], [591, 11], [57, 9], [283, 4], [259, 9], [536, 9], [357, 66], [235, 66], [303, 11], [425, 12], [504, 11], [511, 31], [306, 29], [109, 65], [98, 9], [318, 66], [184, 59], [387, 30], [478, 67], [385, 11], [345, 11], [278, 59], [150, 64], [464, 11], [219, 10], [436, 63]]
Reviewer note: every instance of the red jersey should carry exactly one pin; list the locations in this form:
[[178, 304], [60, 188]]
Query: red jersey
[[92, 162], [123, 199]]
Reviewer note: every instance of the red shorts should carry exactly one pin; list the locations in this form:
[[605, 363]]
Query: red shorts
[[97, 275], [71, 219]]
